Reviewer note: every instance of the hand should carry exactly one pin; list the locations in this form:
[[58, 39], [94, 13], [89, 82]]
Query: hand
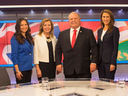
[[39, 74], [19, 75], [112, 67], [92, 67], [59, 68]]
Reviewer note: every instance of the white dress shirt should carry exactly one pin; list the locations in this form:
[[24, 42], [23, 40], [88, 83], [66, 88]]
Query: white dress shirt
[[72, 31], [102, 35]]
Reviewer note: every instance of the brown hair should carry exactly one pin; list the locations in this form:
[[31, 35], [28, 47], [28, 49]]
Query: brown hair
[[41, 27], [112, 21], [19, 36]]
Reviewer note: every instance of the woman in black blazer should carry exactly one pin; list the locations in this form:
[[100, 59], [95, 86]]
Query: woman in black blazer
[[108, 38]]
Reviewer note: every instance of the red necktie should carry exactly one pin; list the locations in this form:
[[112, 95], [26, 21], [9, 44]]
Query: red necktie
[[74, 38]]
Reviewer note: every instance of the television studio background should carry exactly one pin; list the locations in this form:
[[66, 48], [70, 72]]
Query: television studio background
[[58, 12]]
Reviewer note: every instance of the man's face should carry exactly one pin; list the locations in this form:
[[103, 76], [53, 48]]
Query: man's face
[[74, 20]]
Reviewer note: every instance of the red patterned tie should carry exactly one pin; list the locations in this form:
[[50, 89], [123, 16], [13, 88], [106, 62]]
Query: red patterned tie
[[74, 38]]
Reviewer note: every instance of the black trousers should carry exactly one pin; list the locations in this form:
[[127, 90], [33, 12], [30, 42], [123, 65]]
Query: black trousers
[[75, 75], [104, 71], [26, 77]]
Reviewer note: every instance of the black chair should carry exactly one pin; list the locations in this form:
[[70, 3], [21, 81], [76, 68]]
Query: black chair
[[4, 77]]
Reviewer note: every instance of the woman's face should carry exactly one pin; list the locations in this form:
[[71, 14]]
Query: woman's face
[[106, 18], [23, 26], [47, 27]]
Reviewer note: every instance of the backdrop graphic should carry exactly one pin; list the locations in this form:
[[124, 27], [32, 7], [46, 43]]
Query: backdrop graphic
[[7, 30]]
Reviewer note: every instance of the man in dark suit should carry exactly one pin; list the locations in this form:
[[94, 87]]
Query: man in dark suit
[[76, 44]]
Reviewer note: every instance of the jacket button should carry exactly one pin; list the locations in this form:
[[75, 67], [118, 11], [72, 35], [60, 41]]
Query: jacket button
[[30, 54]]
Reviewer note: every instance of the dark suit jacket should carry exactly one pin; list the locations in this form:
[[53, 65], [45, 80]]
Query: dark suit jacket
[[108, 48], [78, 58]]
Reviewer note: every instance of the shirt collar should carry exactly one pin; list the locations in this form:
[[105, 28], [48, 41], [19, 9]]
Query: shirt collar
[[76, 29]]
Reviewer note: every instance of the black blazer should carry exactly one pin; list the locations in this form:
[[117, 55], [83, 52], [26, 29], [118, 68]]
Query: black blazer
[[78, 58], [108, 48]]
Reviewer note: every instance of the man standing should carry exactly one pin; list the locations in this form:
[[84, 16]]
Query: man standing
[[75, 44]]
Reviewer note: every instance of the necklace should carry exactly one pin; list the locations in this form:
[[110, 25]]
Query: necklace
[[48, 39]]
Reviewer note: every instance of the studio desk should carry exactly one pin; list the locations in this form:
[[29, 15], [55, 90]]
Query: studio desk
[[67, 87]]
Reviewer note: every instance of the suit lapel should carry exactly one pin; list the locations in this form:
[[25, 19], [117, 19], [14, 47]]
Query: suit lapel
[[105, 35], [28, 44], [68, 37], [53, 43], [100, 32], [78, 36], [44, 42]]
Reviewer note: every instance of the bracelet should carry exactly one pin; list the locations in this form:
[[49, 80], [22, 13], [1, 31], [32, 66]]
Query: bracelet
[[17, 71]]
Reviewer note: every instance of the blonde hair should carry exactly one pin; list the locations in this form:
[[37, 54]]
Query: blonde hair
[[112, 21], [41, 27]]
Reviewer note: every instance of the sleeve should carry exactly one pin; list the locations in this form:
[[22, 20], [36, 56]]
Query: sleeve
[[94, 48], [14, 50], [35, 50], [58, 50], [116, 36], [97, 37]]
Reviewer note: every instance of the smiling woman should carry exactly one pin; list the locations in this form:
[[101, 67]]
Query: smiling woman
[[106, 18], [22, 51], [44, 50], [24, 27], [108, 39], [47, 28]]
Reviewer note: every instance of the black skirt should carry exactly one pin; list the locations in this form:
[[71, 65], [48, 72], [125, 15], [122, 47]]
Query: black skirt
[[47, 69]]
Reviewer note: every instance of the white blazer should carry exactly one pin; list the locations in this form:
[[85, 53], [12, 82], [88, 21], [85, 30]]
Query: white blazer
[[41, 52]]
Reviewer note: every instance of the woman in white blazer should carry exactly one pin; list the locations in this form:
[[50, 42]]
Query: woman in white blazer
[[44, 50]]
